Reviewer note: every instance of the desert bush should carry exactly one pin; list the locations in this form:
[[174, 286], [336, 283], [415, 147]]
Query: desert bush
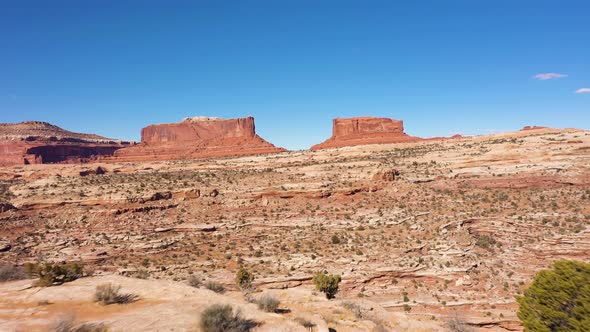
[[327, 283], [457, 324], [309, 325], [486, 242], [68, 324], [214, 286], [223, 318], [111, 294], [54, 273], [268, 303], [558, 300], [356, 309], [10, 272], [195, 281], [244, 279]]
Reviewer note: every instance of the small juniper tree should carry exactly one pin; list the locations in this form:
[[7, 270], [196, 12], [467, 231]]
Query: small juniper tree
[[244, 279], [327, 283], [558, 300]]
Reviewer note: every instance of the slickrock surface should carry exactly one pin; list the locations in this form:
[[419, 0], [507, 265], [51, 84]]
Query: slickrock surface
[[197, 138], [174, 306], [424, 230], [34, 142], [365, 130]]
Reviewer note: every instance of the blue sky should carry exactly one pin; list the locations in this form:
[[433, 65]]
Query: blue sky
[[112, 67]]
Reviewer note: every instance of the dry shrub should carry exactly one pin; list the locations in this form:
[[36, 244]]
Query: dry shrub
[[110, 294]]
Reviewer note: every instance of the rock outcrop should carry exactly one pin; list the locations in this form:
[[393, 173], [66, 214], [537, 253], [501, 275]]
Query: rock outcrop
[[35, 142], [365, 130], [197, 137]]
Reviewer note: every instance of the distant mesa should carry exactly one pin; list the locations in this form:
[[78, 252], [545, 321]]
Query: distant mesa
[[369, 130], [527, 128], [36, 142], [198, 137], [365, 130]]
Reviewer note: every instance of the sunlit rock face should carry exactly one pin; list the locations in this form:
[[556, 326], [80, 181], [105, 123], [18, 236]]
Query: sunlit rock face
[[198, 137]]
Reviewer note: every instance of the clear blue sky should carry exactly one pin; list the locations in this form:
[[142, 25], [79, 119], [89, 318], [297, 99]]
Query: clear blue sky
[[112, 67]]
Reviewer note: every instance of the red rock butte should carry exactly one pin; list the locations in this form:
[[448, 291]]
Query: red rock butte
[[36, 142], [198, 137], [365, 130]]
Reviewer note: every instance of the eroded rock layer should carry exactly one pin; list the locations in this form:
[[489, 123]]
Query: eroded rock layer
[[35, 142], [365, 130], [197, 138]]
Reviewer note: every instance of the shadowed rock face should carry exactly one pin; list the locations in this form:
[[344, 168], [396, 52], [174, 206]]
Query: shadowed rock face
[[365, 130], [197, 138], [35, 142]]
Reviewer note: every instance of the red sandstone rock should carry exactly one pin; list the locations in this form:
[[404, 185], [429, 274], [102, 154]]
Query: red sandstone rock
[[365, 130], [34, 142], [197, 138]]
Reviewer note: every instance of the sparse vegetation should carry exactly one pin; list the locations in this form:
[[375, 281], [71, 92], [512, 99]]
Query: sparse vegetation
[[68, 324], [215, 286], [54, 273], [223, 318], [268, 303], [195, 281], [458, 324], [244, 279], [111, 294], [10, 273], [327, 283]]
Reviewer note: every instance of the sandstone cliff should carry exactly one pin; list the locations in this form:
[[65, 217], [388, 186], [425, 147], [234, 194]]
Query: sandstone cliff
[[365, 130], [35, 142], [197, 137]]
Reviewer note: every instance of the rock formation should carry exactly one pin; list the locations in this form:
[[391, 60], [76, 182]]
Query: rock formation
[[365, 130], [35, 142], [197, 137], [527, 128]]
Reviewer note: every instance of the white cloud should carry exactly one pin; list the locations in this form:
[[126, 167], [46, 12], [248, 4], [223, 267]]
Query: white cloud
[[548, 76], [583, 90]]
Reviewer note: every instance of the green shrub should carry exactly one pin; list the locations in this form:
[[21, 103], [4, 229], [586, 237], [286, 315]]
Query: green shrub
[[223, 318], [558, 300], [244, 279], [327, 283], [54, 273]]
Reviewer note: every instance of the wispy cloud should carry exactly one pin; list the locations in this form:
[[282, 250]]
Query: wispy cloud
[[583, 90], [548, 76]]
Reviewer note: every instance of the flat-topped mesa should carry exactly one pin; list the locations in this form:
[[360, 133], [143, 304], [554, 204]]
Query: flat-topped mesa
[[37, 142], [365, 130], [527, 128], [199, 129], [198, 137]]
